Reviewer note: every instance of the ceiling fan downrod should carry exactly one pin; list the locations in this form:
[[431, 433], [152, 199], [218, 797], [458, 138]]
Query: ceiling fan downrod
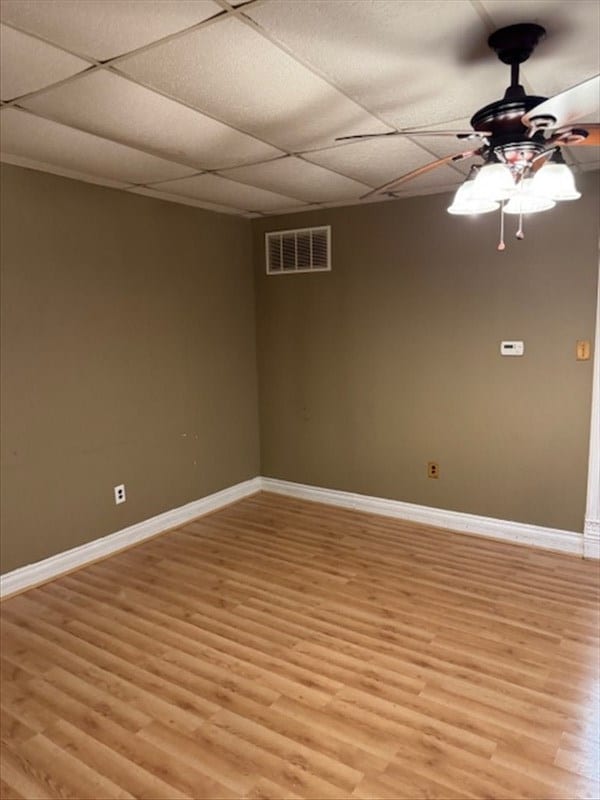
[[511, 141], [513, 45]]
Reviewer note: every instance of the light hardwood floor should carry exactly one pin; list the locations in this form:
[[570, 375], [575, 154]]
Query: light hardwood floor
[[279, 648]]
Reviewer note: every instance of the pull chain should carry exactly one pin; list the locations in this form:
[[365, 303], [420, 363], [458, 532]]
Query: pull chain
[[501, 245], [520, 234]]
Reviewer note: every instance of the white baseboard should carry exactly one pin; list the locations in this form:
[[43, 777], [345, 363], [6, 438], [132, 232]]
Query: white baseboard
[[591, 549], [26, 577], [591, 538], [523, 533], [42, 571]]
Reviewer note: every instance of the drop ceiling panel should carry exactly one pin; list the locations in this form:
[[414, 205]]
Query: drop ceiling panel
[[403, 60], [233, 73], [32, 137], [186, 201], [438, 180], [42, 166], [296, 210], [104, 29], [28, 64], [442, 146], [95, 103], [297, 178], [584, 155], [568, 54], [222, 191], [591, 165], [376, 161]]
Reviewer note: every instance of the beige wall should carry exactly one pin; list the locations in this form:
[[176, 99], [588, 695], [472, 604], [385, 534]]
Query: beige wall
[[391, 360], [128, 357]]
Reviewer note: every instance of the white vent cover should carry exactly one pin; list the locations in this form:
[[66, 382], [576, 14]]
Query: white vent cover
[[300, 250]]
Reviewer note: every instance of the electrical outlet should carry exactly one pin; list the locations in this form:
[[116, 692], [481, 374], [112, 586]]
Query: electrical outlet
[[120, 495], [433, 469]]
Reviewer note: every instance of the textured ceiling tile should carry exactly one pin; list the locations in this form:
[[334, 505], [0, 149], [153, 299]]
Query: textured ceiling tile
[[307, 207], [297, 178], [219, 190], [407, 61], [104, 29], [236, 75], [592, 165], [186, 201], [28, 64], [582, 154], [376, 161], [30, 163], [438, 180], [441, 146], [95, 103], [570, 51], [369, 201], [28, 136]]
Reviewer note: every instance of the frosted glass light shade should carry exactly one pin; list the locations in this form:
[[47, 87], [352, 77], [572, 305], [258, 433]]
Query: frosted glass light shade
[[494, 182], [466, 202], [555, 181], [527, 201]]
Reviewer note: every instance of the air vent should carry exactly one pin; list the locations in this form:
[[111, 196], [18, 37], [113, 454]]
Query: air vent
[[300, 250]]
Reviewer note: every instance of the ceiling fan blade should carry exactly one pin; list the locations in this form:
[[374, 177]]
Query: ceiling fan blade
[[391, 185], [592, 138], [458, 134], [539, 162], [567, 107]]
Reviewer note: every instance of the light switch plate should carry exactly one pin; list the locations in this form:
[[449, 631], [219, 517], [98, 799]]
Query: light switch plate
[[583, 350]]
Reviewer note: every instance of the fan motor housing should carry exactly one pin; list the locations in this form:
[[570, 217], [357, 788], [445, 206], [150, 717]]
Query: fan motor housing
[[510, 139], [504, 116]]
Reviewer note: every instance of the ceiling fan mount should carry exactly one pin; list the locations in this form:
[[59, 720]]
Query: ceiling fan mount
[[515, 43]]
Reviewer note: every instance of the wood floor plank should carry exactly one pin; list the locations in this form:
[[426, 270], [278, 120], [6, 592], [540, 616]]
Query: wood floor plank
[[127, 774], [467, 775], [201, 751], [13, 729], [7, 792], [68, 775], [266, 789], [284, 649], [22, 777], [288, 750], [101, 726]]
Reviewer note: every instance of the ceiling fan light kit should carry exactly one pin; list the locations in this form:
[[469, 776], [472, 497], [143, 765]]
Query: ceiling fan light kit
[[495, 181], [469, 201], [526, 201], [519, 138], [555, 180], [514, 175]]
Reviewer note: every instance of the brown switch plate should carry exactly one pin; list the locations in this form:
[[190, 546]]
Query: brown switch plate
[[583, 350]]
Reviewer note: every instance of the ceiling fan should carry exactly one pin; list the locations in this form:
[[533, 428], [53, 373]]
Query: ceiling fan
[[519, 138]]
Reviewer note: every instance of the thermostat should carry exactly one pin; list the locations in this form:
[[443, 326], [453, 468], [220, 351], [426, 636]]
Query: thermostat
[[512, 348]]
